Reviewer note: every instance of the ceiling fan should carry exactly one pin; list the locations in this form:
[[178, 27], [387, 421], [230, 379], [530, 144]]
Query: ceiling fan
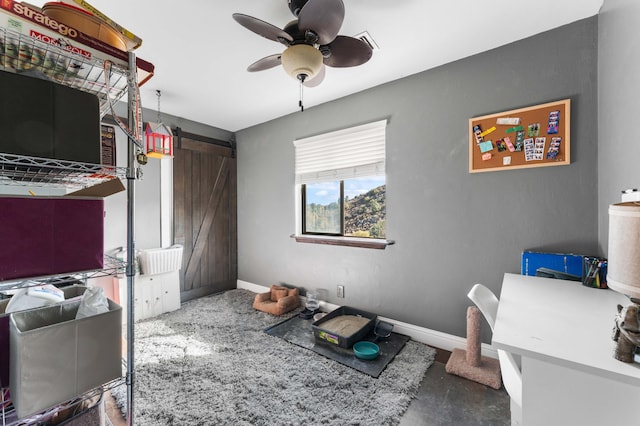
[[311, 41]]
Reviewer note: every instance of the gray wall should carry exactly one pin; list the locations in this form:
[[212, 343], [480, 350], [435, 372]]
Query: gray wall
[[452, 229], [147, 192], [618, 104]]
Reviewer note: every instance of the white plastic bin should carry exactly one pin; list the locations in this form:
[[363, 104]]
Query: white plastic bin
[[160, 260]]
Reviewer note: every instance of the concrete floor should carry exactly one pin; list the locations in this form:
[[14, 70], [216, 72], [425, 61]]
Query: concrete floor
[[444, 399]]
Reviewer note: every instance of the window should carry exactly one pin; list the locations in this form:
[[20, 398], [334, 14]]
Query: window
[[323, 211], [341, 176]]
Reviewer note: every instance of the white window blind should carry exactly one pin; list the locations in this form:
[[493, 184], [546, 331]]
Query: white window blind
[[344, 154]]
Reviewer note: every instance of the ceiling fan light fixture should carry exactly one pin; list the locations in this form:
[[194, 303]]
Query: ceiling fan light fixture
[[301, 59]]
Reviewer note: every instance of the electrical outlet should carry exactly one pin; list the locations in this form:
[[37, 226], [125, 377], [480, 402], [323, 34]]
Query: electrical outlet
[[341, 291]]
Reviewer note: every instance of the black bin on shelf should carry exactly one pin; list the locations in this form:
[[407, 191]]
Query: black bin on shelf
[[40, 118]]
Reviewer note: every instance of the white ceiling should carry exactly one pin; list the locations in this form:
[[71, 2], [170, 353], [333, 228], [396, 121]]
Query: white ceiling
[[200, 53]]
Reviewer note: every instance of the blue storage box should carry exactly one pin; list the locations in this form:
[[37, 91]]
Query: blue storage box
[[562, 263]]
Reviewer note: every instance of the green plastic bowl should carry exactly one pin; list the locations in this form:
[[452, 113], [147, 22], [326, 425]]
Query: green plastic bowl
[[366, 350]]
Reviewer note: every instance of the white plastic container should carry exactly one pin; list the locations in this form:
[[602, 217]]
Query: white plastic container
[[160, 260]]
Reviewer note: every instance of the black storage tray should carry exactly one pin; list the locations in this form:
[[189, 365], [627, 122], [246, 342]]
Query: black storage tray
[[346, 342]]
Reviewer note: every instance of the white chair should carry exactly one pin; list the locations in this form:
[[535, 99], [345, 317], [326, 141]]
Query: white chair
[[487, 302]]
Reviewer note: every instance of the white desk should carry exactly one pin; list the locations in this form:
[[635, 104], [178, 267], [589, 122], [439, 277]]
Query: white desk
[[562, 330]]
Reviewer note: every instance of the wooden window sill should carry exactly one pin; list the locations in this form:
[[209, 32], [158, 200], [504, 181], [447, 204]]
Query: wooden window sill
[[370, 243]]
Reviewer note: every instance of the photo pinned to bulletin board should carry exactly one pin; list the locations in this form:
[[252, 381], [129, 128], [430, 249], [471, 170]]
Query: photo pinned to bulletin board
[[535, 136]]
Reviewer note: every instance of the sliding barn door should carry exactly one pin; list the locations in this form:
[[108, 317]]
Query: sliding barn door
[[204, 193]]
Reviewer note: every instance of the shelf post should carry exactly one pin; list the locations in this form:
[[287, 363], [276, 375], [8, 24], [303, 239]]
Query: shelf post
[[133, 112]]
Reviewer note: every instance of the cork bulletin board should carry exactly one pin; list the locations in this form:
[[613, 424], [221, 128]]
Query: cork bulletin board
[[535, 136]]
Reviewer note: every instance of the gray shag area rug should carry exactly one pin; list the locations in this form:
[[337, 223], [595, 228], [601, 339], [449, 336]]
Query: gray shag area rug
[[210, 363]]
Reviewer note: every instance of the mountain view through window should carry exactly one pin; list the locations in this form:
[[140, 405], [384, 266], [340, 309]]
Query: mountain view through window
[[364, 208]]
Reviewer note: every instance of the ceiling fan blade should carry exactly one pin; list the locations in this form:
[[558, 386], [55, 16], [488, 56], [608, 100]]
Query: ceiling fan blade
[[317, 79], [261, 27], [323, 17], [347, 52], [265, 63]]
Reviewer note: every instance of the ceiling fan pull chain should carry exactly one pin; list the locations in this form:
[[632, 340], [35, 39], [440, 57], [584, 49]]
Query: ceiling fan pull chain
[[301, 95]]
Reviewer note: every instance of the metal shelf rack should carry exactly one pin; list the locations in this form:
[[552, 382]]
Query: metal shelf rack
[[109, 82], [19, 170], [112, 267], [24, 54], [8, 416]]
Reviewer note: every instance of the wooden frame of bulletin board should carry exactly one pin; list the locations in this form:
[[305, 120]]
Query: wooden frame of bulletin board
[[535, 136]]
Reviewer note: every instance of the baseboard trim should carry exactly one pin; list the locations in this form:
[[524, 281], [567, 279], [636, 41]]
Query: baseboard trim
[[246, 285], [427, 336]]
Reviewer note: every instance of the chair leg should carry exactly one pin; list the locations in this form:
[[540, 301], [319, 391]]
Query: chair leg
[[516, 414]]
